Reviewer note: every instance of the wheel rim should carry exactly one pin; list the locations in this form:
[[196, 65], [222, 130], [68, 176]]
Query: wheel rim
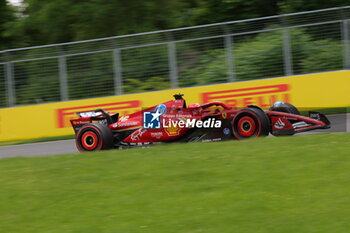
[[246, 126], [89, 140]]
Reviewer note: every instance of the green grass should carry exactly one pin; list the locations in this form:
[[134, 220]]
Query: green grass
[[270, 185], [34, 140]]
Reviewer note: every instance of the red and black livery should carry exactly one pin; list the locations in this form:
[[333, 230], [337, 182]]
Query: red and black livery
[[99, 130]]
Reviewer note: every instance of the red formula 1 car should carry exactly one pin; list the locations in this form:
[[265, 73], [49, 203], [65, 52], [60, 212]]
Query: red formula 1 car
[[173, 121]]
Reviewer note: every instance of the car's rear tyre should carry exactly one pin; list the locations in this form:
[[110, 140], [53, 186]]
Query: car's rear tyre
[[250, 122], [94, 137], [285, 107]]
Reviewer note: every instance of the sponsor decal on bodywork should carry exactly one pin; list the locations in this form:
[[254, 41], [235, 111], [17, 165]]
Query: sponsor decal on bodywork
[[79, 122], [300, 124], [157, 135], [279, 124], [138, 134]]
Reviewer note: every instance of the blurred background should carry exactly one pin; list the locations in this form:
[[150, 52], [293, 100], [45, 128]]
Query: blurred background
[[63, 49], [59, 50]]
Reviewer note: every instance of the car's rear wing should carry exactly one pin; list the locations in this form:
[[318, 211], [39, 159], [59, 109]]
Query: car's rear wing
[[98, 115]]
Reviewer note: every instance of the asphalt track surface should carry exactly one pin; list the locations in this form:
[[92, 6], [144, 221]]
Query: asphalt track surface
[[339, 123]]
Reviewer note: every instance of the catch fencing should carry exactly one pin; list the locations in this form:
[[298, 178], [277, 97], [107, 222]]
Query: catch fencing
[[275, 46]]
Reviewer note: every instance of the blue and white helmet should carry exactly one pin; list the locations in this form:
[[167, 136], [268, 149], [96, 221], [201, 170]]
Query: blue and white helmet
[[278, 104]]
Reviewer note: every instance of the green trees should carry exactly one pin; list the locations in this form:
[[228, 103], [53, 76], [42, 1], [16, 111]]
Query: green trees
[[289, 6], [37, 82], [323, 55], [261, 56], [55, 21], [212, 11], [200, 62], [7, 15]]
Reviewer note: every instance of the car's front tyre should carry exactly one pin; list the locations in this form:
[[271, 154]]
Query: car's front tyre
[[249, 123]]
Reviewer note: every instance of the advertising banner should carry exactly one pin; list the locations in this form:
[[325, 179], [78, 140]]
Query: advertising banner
[[321, 90]]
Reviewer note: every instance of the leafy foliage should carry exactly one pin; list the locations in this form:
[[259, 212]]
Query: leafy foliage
[[37, 82], [262, 57], [255, 56], [90, 75], [323, 55], [7, 15], [54, 21], [151, 84], [288, 6]]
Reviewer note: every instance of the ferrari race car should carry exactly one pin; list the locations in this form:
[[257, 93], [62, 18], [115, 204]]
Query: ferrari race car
[[174, 121]]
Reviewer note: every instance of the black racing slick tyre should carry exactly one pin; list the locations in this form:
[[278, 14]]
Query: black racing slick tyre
[[94, 137], [249, 123], [285, 107]]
